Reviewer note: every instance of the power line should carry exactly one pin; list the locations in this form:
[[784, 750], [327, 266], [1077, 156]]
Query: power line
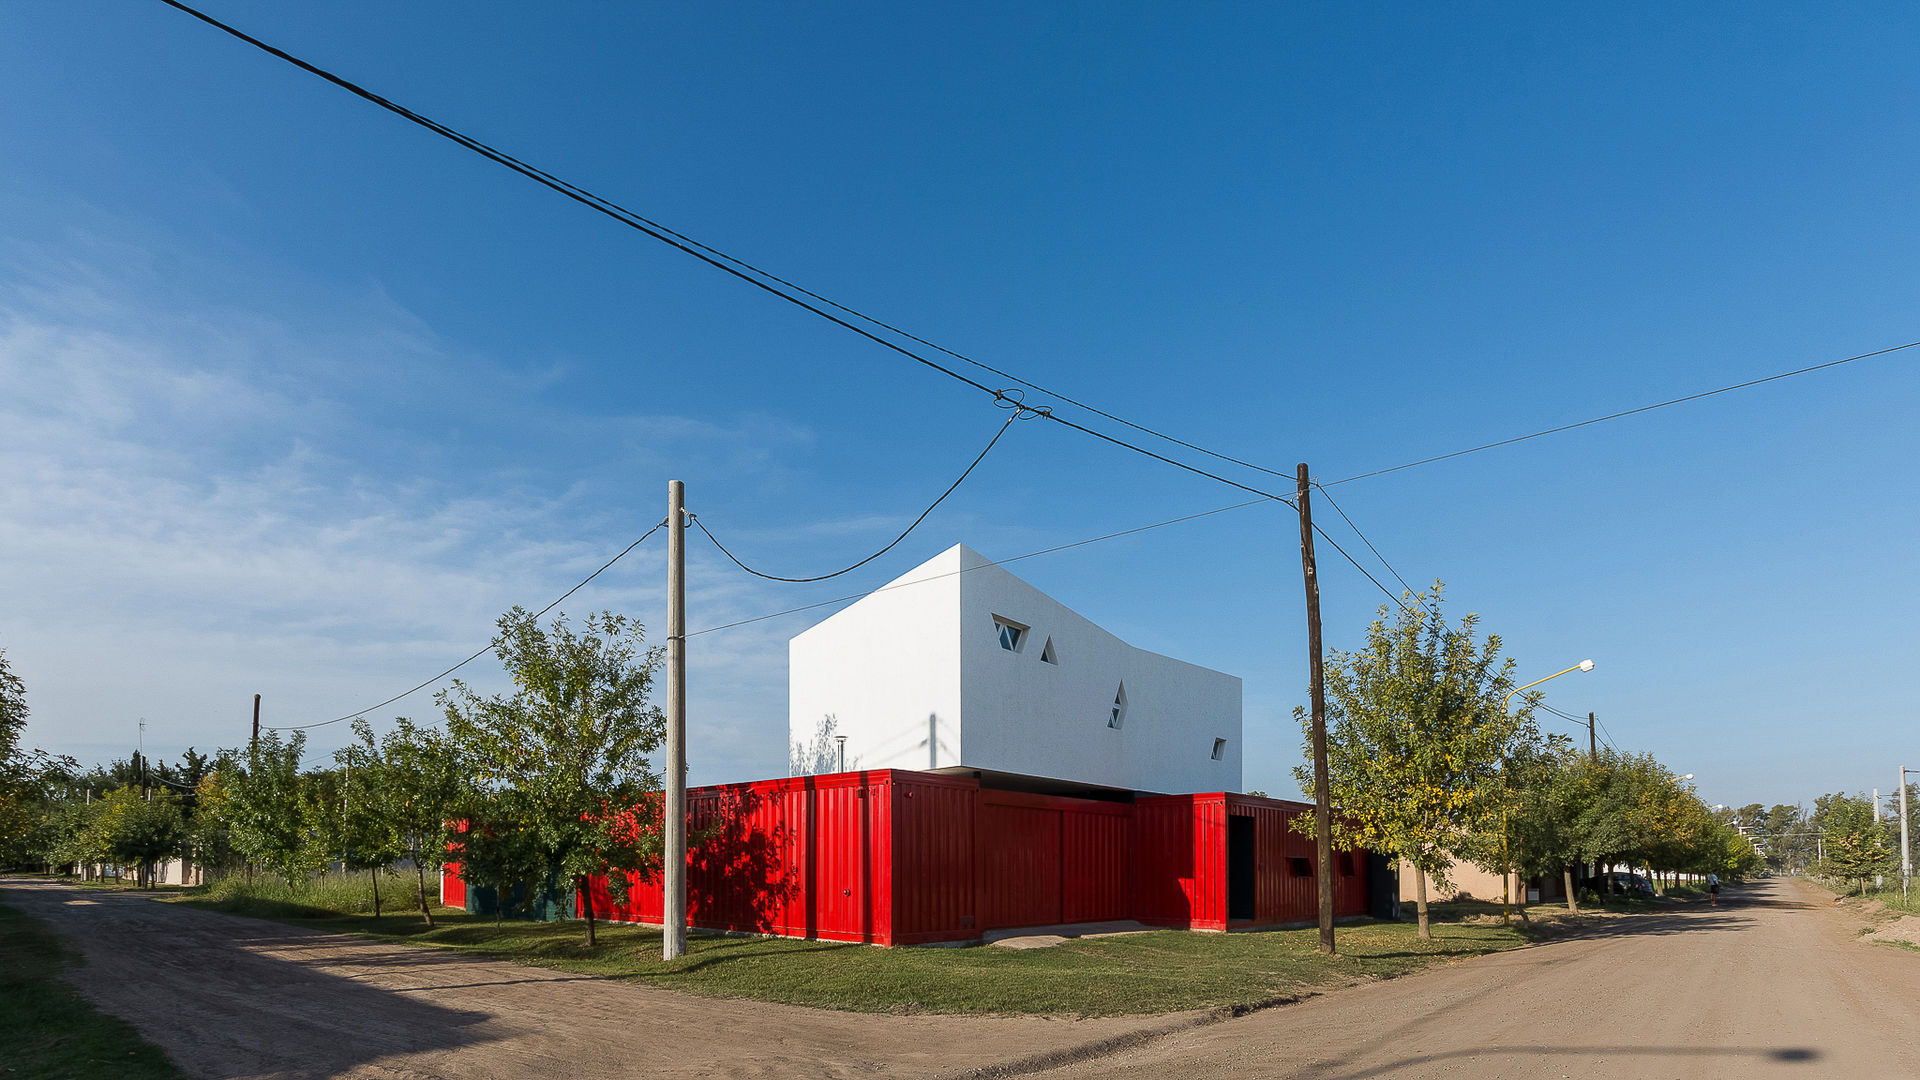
[[740, 269], [483, 651], [721, 260], [1624, 413], [982, 566], [1363, 539], [695, 518]]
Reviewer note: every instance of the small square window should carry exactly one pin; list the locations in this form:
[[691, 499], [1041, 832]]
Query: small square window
[[1013, 635], [1219, 749], [1299, 867]]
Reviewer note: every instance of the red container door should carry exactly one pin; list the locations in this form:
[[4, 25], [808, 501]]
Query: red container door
[[1021, 849]]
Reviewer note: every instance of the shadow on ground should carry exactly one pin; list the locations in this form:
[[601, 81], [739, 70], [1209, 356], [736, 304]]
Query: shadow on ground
[[1794, 1054]]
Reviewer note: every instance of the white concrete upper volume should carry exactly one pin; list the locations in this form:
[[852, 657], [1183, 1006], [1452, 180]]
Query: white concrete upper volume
[[958, 665]]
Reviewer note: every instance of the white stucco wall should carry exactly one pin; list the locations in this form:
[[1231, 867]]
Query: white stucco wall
[[887, 668], [901, 655]]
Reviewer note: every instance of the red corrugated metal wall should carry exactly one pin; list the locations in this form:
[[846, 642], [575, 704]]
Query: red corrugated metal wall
[[1177, 856], [899, 858], [934, 858]]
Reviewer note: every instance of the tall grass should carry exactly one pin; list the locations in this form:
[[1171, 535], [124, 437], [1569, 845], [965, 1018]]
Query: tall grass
[[332, 893]]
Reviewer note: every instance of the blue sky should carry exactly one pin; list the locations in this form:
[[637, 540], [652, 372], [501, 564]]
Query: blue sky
[[295, 398]]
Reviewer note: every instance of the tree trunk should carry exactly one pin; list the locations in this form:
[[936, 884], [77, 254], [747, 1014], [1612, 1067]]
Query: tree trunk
[[420, 870], [1573, 902], [1420, 903], [376, 892], [586, 906]]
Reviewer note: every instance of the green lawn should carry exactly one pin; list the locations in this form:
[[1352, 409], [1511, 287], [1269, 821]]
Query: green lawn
[[49, 1031], [1160, 971]]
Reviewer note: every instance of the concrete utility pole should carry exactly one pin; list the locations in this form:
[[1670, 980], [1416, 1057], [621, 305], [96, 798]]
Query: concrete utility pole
[[673, 938], [1906, 853], [1322, 798]]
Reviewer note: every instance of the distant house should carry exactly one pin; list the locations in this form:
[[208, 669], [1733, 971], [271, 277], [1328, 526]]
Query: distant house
[[958, 666]]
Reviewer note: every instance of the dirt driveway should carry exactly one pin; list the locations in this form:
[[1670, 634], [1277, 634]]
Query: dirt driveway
[[1772, 983], [232, 997]]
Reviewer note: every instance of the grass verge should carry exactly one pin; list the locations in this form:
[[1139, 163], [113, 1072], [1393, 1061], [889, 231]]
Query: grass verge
[[50, 1031], [1153, 972]]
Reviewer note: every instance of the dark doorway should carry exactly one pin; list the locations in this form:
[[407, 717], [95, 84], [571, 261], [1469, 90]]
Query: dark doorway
[[1240, 867]]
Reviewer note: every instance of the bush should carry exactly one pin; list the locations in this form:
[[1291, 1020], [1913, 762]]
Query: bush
[[319, 897]]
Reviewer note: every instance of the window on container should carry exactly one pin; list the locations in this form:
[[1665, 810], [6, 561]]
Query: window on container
[[1219, 749], [1299, 867], [1346, 864], [1117, 713], [1047, 653], [1013, 635]]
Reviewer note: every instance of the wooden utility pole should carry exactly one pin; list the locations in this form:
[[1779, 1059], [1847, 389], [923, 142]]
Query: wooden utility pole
[[673, 939], [1593, 744], [1322, 798], [256, 722]]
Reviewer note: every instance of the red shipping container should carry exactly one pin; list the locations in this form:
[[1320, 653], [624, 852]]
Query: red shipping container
[[893, 858]]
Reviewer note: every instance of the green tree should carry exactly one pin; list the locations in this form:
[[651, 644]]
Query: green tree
[[409, 786], [1855, 840], [267, 808], [139, 831], [362, 828], [563, 761], [1416, 722], [1548, 787]]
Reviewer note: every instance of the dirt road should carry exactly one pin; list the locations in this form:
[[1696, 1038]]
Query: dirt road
[[1772, 983], [229, 997]]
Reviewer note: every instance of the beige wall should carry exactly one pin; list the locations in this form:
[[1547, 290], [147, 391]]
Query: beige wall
[[1463, 877]]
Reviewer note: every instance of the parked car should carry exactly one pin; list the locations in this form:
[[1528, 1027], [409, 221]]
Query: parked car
[[1630, 885]]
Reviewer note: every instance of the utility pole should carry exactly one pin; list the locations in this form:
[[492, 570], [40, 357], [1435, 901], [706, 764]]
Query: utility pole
[[1593, 745], [256, 722], [1322, 798], [1906, 853], [673, 937]]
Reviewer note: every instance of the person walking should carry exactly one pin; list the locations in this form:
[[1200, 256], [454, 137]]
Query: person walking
[[1713, 890]]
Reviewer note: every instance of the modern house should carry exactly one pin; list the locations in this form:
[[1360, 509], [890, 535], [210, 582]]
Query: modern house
[[959, 666], [1006, 763]]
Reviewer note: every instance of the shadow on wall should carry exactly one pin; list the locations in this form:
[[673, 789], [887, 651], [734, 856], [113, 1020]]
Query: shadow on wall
[[737, 875]]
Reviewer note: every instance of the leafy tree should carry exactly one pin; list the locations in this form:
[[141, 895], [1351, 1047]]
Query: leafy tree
[[362, 828], [267, 808], [408, 786], [1549, 785], [139, 831], [1855, 840], [562, 761], [1416, 722]]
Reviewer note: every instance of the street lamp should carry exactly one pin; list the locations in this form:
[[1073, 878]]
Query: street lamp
[[1506, 841]]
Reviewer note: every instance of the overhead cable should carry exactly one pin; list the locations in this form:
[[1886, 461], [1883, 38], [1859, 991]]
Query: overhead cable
[[982, 456], [482, 652], [1626, 412], [982, 566]]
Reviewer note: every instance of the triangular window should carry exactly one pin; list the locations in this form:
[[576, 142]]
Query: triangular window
[[1046, 653], [1117, 715]]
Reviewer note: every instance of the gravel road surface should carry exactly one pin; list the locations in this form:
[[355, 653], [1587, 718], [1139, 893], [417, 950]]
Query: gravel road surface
[[1774, 982], [231, 997]]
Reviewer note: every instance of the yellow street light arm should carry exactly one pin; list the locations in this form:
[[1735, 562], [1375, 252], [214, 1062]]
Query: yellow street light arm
[[1584, 665]]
